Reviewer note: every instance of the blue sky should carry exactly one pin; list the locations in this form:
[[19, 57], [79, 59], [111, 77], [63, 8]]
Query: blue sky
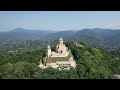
[[59, 20]]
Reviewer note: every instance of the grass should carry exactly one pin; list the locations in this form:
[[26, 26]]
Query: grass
[[54, 59]]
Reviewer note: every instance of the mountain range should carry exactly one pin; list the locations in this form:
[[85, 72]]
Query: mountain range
[[96, 35]]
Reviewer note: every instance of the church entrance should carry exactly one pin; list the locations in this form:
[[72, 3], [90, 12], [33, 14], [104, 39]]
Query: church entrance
[[61, 51]]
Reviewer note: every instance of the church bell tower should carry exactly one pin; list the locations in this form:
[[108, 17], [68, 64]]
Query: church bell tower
[[48, 51], [60, 41]]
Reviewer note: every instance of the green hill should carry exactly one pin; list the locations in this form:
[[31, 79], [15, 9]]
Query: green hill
[[92, 63]]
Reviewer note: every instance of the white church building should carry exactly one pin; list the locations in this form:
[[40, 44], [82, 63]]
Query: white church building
[[61, 52]]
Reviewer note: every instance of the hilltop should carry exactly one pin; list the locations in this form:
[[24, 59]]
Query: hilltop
[[92, 63]]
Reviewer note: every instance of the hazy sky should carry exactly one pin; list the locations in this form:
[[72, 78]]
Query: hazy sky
[[59, 20]]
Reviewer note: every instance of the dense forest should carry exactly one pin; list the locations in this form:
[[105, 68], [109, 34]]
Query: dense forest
[[92, 63]]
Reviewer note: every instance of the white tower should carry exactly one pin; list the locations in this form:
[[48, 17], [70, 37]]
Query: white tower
[[57, 48], [48, 51], [60, 41], [60, 46]]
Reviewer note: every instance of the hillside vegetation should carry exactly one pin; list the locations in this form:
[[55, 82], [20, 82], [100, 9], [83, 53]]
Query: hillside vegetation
[[92, 63]]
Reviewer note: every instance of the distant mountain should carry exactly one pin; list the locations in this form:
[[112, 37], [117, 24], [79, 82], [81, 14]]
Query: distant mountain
[[85, 35], [99, 34], [107, 38], [67, 35], [24, 34]]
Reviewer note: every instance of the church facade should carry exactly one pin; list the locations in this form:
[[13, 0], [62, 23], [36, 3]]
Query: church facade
[[61, 52]]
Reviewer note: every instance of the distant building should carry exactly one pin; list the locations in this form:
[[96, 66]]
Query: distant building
[[61, 52]]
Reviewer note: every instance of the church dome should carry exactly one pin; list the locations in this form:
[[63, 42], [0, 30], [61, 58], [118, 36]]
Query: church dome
[[61, 39]]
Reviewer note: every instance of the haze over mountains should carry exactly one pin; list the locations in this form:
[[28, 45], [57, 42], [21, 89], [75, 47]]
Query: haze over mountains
[[96, 33], [108, 38]]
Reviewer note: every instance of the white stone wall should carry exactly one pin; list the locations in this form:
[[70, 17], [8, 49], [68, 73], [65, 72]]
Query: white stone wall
[[60, 48], [59, 63], [54, 54]]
